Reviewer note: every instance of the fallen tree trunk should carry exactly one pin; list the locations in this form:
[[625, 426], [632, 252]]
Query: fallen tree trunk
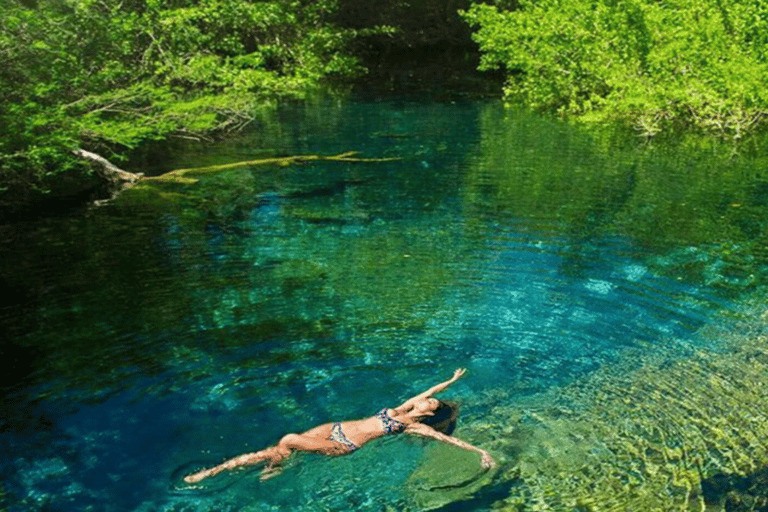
[[179, 175], [113, 179]]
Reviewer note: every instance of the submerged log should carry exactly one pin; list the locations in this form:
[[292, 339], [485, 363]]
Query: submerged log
[[179, 175], [114, 180]]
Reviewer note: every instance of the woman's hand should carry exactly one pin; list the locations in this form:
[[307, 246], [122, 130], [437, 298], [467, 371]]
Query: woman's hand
[[487, 461], [458, 373]]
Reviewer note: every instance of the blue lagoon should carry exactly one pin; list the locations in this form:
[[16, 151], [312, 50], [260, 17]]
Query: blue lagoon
[[605, 295]]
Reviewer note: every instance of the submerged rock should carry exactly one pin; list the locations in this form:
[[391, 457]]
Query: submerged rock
[[666, 430], [446, 475], [734, 493]]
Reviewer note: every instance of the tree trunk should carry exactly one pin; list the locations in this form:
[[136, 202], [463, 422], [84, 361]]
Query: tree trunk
[[113, 179]]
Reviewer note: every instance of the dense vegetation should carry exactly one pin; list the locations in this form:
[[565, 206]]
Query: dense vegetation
[[657, 65], [109, 75]]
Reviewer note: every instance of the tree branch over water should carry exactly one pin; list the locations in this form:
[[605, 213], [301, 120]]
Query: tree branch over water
[[110, 76]]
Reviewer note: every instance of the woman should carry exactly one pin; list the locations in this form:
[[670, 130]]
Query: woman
[[421, 415]]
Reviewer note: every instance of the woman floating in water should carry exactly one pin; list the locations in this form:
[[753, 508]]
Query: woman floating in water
[[422, 415]]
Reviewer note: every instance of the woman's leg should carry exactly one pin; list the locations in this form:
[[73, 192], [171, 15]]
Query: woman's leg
[[301, 443], [311, 443], [247, 459], [313, 440]]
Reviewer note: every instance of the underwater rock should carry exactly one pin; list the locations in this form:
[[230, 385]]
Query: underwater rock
[[664, 428], [446, 475], [734, 493]]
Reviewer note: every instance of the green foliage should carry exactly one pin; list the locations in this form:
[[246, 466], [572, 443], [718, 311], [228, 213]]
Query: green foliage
[[653, 64], [109, 75]]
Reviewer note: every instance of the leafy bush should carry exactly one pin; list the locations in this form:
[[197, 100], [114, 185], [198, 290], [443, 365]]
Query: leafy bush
[[691, 63]]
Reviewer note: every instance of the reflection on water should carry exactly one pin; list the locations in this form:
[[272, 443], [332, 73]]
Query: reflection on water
[[577, 275]]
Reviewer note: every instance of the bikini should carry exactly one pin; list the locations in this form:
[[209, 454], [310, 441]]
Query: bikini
[[388, 424], [338, 435]]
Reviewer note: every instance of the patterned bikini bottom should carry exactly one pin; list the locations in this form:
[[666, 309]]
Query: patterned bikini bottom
[[338, 436]]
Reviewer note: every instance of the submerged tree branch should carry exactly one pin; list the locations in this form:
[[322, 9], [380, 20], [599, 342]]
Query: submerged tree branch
[[179, 175], [116, 179]]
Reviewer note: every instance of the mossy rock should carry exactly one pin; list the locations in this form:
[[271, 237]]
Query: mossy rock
[[446, 475]]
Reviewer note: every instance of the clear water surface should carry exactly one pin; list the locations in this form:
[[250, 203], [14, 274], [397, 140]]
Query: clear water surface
[[180, 325]]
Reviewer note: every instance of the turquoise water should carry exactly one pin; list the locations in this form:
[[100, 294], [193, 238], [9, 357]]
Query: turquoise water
[[180, 325]]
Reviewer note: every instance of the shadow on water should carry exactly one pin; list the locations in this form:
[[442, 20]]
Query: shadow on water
[[737, 493], [484, 499]]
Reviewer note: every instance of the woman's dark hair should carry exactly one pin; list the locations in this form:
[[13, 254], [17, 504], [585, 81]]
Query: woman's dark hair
[[444, 419]]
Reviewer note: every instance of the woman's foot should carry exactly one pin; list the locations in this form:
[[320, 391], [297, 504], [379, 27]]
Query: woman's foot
[[196, 477]]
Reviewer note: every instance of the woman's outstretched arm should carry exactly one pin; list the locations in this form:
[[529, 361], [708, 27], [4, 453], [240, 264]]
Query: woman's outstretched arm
[[457, 374], [427, 431]]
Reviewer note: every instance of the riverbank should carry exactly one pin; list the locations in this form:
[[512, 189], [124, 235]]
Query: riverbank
[[214, 69]]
